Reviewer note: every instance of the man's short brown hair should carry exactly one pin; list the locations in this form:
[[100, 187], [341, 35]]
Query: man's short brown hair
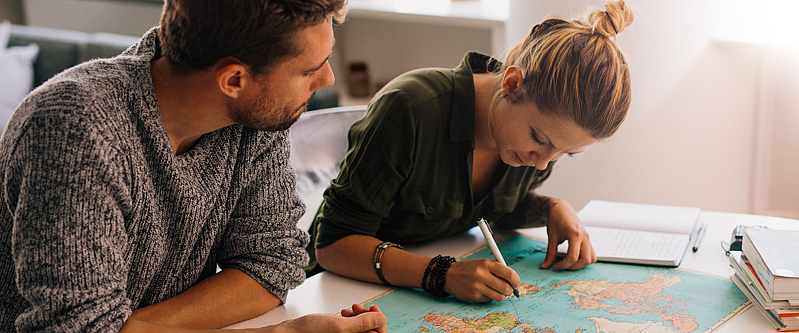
[[195, 34]]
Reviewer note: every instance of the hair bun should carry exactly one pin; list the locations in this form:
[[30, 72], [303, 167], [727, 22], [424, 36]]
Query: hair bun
[[613, 20]]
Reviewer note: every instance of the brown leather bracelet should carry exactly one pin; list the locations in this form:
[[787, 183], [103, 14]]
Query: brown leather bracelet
[[379, 256]]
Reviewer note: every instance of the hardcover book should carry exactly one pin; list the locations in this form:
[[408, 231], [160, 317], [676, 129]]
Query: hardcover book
[[772, 254]]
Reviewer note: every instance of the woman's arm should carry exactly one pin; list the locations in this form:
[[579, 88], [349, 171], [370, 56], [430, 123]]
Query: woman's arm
[[562, 224], [480, 280]]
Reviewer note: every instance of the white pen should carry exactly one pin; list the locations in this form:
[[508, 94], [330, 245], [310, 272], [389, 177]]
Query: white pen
[[699, 235], [493, 246]]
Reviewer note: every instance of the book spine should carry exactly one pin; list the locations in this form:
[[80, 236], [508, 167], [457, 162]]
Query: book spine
[[749, 250], [747, 272], [774, 319]]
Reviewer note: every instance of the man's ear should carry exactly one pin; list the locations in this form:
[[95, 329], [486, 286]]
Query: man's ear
[[232, 76], [512, 81]]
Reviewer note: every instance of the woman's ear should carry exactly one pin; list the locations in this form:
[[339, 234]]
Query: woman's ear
[[512, 81], [231, 76]]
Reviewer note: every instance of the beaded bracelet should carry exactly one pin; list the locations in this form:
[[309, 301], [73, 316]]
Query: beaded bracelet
[[435, 276], [379, 256]]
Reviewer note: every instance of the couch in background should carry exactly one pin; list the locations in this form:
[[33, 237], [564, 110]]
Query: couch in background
[[62, 49], [31, 55]]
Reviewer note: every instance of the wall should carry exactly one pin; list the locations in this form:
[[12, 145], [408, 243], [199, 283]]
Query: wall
[[11, 10], [391, 48], [691, 132], [777, 184]]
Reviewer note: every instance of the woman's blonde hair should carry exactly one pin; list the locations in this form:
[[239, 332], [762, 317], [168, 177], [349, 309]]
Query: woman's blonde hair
[[574, 70]]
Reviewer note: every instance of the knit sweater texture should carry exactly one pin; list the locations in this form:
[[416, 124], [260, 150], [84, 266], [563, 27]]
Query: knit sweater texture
[[99, 217]]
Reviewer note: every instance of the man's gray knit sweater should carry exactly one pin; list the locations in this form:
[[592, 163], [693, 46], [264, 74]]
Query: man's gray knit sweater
[[99, 216]]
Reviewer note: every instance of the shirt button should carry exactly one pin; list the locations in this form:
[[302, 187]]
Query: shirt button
[[429, 210]]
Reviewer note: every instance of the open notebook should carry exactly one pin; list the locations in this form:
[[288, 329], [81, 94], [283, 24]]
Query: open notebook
[[633, 233]]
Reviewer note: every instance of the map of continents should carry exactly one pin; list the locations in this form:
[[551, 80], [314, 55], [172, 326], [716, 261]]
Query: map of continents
[[600, 298]]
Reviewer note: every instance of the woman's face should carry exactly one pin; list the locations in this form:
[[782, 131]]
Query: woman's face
[[526, 137]]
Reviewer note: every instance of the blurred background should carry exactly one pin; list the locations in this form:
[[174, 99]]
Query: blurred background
[[714, 121]]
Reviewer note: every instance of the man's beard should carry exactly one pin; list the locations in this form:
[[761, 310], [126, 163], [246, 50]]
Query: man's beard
[[265, 115]]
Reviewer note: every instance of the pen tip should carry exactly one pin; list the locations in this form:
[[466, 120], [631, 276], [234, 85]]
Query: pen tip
[[516, 293]]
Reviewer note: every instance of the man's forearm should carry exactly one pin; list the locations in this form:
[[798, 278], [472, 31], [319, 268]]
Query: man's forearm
[[227, 297]]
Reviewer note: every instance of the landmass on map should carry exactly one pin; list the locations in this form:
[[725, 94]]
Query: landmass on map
[[617, 298], [600, 298]]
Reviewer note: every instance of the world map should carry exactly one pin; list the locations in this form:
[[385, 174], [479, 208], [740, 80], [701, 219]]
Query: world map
[[602, 297]]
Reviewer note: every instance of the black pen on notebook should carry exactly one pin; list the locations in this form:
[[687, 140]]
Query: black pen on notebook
[[493, 246], [699, 235]]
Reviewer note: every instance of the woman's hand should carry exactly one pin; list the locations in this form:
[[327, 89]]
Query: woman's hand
[[481, 280], [564, 225]]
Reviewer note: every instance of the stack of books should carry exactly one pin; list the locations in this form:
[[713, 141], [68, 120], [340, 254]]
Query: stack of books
[[767, 271]]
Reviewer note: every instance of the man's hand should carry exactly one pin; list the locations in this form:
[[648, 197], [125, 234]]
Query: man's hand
[[564, 225], [481, 280], [359, 319]]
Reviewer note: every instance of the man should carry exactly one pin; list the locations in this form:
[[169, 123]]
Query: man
[[127, 181]]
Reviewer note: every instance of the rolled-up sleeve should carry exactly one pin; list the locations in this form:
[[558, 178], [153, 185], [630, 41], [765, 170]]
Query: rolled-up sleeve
[[379, 160], [262, 238]]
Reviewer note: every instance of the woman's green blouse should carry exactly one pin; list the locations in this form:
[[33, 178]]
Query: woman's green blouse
[[406, 177]]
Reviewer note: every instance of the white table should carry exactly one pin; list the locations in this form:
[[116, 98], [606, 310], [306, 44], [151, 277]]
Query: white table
[[329, 293]]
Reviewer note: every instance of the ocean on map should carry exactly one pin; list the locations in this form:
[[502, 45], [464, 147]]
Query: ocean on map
[[602, 297]]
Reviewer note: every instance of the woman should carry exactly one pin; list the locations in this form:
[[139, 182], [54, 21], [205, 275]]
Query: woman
[[440, 148]]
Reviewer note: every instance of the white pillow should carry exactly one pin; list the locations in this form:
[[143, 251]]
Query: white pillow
[[16, 74], [5, 33]]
